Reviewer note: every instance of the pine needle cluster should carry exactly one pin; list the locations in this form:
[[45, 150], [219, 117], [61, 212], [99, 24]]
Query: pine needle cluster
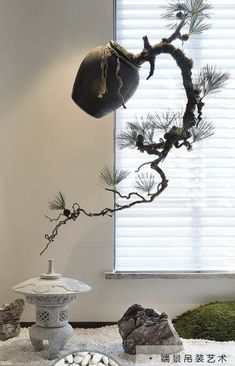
[[210, 80], [145, 182], [110, 178], [128, 137], [204, 130], [193, 13], [58, 203], [164, 122]]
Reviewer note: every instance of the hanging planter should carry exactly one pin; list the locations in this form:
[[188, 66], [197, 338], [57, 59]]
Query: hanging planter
[[106, 79]]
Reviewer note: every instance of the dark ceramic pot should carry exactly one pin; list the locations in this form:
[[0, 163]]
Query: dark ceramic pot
[[106, 79]]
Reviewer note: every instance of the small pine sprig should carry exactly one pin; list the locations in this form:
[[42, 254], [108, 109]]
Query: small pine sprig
[[129, 136], [166, 120], [58, 203], [210, 80], [204, 130], [186, 8], [145, 182], [193, 12], [111, 177], [197, 25]]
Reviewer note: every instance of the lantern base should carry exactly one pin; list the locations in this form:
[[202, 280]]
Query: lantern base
[[56, 337]]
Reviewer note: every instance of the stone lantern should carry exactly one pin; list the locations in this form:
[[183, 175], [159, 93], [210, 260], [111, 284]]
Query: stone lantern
[[51, 294]]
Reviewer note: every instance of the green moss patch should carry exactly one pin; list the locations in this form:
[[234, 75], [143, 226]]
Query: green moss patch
[[214, 321]]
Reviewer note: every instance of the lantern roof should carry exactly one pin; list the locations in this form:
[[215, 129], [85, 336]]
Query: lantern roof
[[51, 283]]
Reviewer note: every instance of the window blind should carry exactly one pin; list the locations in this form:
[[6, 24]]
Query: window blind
[[191, 226]]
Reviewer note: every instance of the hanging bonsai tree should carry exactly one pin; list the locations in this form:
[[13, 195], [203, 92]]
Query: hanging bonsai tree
[[156, 135]]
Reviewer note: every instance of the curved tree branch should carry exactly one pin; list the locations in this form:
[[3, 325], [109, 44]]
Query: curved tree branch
[[177, 33], [174, 137], [185, 64]]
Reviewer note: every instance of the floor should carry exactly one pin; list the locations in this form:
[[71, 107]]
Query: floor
[[18, 351]]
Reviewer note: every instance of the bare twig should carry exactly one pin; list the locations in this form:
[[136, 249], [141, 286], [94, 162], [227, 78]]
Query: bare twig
[[147, 163], [131, 194], [56, 219], [77, 210], [176, 34]]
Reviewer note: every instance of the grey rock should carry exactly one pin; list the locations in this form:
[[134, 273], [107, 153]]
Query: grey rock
[[10, 319], [148, 328]]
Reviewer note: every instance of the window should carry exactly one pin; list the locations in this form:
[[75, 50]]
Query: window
[[191, 226]]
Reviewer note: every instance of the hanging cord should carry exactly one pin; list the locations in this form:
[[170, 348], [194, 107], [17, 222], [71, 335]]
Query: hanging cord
[[119, 79], [104, 69], [108, 51]]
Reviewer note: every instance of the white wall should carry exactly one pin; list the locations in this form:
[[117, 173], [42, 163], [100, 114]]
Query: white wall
[[48, 144]]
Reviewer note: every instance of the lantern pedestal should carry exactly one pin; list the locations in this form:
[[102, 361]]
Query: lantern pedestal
[[56, 337]]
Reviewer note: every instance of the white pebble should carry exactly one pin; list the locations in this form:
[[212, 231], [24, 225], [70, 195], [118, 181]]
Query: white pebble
[[82, 353], [96, 358], [112, 363], [60, 363], [86, 360], [77, 359], [105, 360], [69, 358], [101, 364], [91, 363]]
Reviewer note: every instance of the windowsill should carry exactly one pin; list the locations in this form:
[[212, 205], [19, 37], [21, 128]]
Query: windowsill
[[167, 275]]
